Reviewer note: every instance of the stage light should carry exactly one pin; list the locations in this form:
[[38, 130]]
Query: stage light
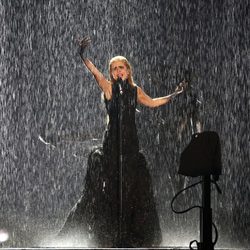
[[4, 235]]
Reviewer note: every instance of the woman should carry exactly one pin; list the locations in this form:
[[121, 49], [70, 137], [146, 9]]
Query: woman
[[117, 208]]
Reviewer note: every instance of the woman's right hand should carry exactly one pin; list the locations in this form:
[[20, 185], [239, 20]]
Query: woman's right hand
[[83, 44]]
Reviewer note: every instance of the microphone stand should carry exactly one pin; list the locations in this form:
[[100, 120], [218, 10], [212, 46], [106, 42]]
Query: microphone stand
[[120, 165], [206, 241]]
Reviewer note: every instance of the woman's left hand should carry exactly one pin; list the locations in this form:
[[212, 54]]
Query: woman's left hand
[[181, 87], [178, 90], [83, 44]]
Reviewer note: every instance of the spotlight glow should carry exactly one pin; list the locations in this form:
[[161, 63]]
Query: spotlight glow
[[4, 235], [71, 241]]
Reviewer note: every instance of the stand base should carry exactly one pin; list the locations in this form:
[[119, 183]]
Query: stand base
[[202, 246]]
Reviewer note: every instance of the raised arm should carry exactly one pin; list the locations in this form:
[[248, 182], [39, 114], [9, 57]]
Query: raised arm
[[103, 83], [146, 100]]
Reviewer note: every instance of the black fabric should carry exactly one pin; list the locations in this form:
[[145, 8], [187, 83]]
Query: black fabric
[[202, 156], [97, 212]]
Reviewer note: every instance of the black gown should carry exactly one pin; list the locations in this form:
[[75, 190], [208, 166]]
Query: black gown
[[117, 208]]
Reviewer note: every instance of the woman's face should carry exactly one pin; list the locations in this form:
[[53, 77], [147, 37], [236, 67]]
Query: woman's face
[[119, 69]]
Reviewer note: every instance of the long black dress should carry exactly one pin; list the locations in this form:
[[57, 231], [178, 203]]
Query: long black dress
[[117, 207]]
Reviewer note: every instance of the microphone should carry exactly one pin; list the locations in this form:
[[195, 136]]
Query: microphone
[[120, 86]]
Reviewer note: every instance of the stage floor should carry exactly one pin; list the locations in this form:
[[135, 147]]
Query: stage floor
[[161, 248]]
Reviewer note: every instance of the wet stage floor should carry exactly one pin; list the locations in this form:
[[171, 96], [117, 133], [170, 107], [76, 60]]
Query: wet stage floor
[[87, 248]]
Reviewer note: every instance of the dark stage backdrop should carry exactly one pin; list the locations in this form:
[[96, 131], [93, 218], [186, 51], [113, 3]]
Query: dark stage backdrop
[[44, 87]]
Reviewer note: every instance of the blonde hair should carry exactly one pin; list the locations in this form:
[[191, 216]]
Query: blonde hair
[[125, 61]]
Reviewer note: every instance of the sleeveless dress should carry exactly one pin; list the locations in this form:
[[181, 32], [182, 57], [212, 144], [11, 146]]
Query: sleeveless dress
[[117, 208]]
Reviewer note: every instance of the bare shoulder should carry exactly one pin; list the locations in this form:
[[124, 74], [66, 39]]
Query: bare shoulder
[[105, 84], [139, 94], [136, 86], [139, 90], [109, 84]]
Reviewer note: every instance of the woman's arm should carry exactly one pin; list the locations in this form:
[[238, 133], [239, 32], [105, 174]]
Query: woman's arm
[[146, 100], [103, 83]]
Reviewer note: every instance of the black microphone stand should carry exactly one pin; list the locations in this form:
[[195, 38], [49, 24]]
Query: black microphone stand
[[206, 241], [120, 165]]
